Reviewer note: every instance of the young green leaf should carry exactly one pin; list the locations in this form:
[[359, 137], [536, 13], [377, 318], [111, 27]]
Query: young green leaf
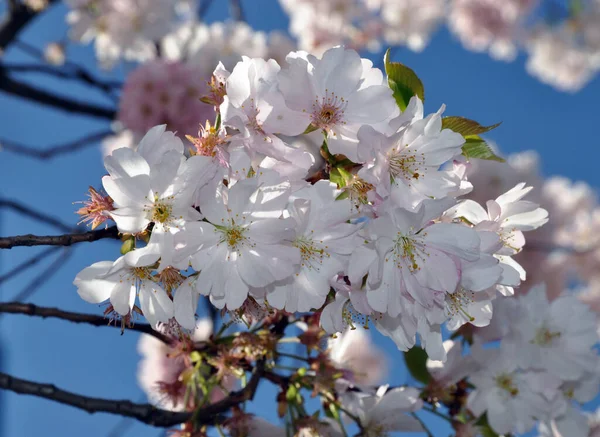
[[416, 360], [466, 127], [403, 81], [476, 147]]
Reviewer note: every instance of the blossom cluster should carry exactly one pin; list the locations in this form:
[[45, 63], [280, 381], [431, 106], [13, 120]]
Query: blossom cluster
[[561, 38], [372, 228]]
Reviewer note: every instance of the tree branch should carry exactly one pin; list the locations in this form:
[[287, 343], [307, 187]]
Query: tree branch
[[37, 215], [29, 309], [28, 92], [58, 240], [53, 151], [18, 16], [145, 413], [69, 72]]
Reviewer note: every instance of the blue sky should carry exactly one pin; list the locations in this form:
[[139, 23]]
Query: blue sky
[[563, 128]]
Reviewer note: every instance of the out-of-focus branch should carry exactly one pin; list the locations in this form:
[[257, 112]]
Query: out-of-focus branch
[[28, 263], [17, 17], [51, 152], [69, 72], [42, 277], [89, 319], [143, 412], [236, 11], [28, 92], [37, 215], [58, 240]]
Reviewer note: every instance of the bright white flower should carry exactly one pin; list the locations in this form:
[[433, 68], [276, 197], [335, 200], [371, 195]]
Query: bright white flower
[[349, 307], [338, 93], [555, 336], [155, 184], [121, 281], [254, 106], [362, 361], [506, 393], [385, 411], [406, 257], [243, 244], [405, 166], [325, 241], [509, 217]]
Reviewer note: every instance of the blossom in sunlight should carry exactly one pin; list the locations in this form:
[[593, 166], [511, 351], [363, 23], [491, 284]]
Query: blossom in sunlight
[[155, 184], [121, 282], [338, 94], [164, 92], [325, 241], [244, 243], [405, 166]]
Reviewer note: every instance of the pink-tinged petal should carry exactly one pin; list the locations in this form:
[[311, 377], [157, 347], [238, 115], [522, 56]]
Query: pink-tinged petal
[[438, 271], [454, 239], [472, 211]]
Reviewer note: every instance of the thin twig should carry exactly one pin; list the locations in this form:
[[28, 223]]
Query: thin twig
[[28, 263], [29, 309], [53, 151], [58, 240], [69, 72], [425, 429], [41, 278], [28, 92]]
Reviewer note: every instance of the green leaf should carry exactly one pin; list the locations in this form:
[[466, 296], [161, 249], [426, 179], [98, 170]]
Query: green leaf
[[476, 147], [416, 359], [336, 177], [403, 81], [466, 127]]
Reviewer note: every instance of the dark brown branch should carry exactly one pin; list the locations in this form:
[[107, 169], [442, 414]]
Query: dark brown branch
[[18, 16], [88, 319], [37, 215], [28, 92], [58, 240], [145, 413], [53, 151]]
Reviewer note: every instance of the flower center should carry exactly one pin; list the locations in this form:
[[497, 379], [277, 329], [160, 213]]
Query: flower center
[[358, 190], [457, 301], [234, 236], [405, 164], [409, 250], [544, 337], [161, 212], [507, 383], [328, 111], [312, 254]]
